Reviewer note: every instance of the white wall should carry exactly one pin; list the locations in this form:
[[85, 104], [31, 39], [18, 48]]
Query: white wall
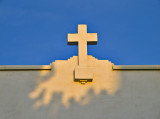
[[113, 94]]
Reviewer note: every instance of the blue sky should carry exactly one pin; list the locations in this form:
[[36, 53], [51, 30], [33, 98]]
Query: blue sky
[[34, 32]]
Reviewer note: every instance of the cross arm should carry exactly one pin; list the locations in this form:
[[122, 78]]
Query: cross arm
[[92, 38], [72, 38]]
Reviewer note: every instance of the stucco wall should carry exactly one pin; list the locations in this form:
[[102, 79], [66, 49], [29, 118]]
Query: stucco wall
[[113, 94]]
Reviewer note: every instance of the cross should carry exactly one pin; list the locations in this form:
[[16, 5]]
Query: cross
[[82, 38]]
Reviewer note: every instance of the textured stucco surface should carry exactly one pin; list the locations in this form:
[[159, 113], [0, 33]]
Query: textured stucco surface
[[113, 94]]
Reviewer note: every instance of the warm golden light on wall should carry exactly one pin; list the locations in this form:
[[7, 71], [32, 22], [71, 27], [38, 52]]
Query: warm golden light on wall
[[60, 80]]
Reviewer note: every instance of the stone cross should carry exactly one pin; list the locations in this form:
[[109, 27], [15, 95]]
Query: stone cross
[[82, 37], [83, 73]]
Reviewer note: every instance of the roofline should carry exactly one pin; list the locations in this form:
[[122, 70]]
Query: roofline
[[24, 67], [136, 67], [48, 67]]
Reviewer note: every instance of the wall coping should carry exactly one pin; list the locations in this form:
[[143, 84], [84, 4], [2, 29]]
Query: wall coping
[[24, 67], [48, 67], [136, 67]]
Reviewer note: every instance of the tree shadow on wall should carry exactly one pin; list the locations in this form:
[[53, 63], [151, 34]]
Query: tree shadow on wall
[[97, 106], [65, 98]]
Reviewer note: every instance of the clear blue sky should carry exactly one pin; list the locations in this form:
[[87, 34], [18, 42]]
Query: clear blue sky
[[34, 32]]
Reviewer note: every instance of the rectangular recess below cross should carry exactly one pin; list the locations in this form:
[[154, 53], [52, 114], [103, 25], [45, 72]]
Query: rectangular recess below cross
[[83, 74]]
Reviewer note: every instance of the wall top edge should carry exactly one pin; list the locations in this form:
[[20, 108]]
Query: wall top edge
[[136, 67], [48, 67], [24, 67]]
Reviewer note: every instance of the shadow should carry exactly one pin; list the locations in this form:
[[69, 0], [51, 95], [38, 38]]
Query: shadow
[[76, 43], [72, 43], [92, 43], [57, 110]]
